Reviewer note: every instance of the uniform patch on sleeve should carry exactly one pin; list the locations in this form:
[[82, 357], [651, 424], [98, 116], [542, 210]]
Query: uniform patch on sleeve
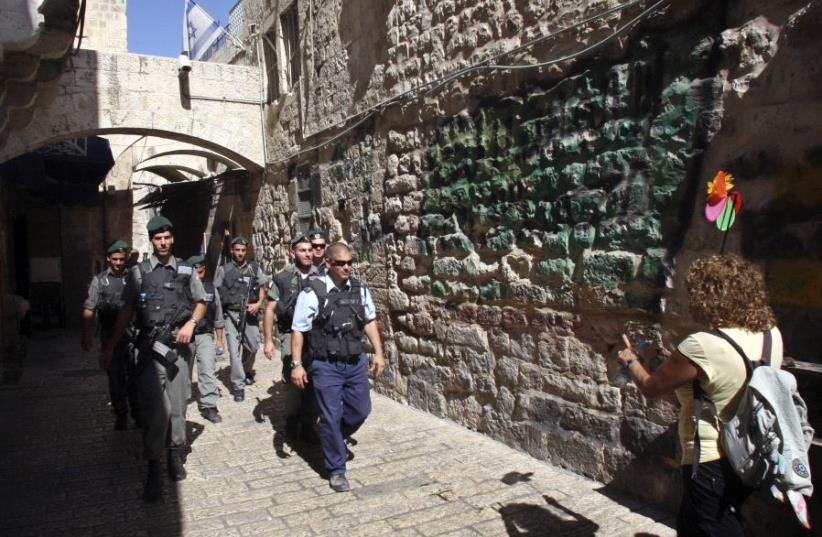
[[183, 270]]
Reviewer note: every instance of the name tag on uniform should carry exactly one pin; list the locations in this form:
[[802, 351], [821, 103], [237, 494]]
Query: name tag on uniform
[[246, 279], [183, 270], [209, 297]]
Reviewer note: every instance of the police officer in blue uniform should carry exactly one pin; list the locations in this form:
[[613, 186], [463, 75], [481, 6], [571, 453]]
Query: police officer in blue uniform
[[208, 337], [168, 299], [300, 405], [241, 285], [330, 318], [105, 298]]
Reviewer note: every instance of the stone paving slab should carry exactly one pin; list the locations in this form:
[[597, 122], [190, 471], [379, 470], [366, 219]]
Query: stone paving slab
[[64, 471]]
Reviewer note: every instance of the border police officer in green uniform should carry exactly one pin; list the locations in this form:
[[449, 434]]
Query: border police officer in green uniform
[[300, 406], [105, 298], [169, 301], [208, 336], [241, 286], [318, 245]]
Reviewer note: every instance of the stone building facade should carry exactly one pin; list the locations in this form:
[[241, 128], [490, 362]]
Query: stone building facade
[[514, 221]]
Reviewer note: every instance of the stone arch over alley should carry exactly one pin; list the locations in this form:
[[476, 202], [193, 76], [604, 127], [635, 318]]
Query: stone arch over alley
[[215, 106]]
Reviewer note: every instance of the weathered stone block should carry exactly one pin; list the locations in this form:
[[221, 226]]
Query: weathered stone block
[[397, 300], [416, 284], [416, 246], [500, 240], [557, 244], [447, 267], [586, 205], [392, 206], [402, 184], [469, 335], [582, 237], [609, 269], [595, 425], [507, 372], [455, 244], [433, 224], [555, 272], [526, 293], [493, 290], [406, 343]]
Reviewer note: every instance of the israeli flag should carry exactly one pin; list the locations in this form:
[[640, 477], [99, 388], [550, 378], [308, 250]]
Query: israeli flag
[[200, 31]]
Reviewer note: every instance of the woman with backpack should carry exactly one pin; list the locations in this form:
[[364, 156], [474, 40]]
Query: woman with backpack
[[726, 294]]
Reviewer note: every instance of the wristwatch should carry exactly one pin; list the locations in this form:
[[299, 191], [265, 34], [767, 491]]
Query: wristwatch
[[193, 321], [295, 364]]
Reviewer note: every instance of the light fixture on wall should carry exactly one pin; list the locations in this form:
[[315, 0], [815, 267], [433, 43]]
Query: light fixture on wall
[[185, 64]]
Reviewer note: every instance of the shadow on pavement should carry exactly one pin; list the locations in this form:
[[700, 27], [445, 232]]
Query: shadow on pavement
[[271, 408], [63, 468], [525, 519]]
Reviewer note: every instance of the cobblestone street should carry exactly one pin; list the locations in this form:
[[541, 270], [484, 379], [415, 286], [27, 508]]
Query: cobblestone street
[[66, 472]]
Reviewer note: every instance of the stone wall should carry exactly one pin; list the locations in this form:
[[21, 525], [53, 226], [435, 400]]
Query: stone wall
[[106, 27], [513, 223]]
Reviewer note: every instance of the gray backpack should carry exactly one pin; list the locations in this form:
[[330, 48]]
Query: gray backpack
[[767, 439]]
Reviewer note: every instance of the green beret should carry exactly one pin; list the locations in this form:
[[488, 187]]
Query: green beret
[[239, 239], [298, 239], [315, 234], [117, 246], [196, 260], [158, 223]]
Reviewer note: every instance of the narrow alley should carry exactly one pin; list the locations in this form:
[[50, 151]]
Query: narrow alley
[[65, 471]]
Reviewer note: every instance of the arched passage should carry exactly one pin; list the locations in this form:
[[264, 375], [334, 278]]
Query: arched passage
[[116, 93]]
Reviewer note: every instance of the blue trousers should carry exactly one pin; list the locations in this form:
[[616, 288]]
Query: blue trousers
[[344, 401]]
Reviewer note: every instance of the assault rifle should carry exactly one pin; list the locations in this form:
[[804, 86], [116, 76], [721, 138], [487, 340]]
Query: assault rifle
[[158, 339], [243, 315]]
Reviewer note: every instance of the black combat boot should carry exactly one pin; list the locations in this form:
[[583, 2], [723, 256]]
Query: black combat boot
[[176, 464], [154, 482]]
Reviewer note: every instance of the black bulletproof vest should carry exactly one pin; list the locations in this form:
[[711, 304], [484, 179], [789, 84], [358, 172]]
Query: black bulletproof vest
[[111, 298], [289, 284], [165, 296], [206, 324], [238, 286], [337, 328]]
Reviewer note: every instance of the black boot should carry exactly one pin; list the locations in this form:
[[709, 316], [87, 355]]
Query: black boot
[[154, 482], [176, 464]]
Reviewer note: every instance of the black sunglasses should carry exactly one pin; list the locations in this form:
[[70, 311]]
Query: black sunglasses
[[317, 246], [342, 262]]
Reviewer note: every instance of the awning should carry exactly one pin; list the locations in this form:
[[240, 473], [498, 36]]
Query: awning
[[183, 191], [68, 170]]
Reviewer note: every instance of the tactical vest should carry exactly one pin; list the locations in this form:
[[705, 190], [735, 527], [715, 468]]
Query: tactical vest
[[206, 324], [165, 295], [337, 329], [289, 284], [111, 298], [237, 286]]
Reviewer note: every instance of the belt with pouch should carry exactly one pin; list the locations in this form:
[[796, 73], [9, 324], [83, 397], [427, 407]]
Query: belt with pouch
[[350, 360]]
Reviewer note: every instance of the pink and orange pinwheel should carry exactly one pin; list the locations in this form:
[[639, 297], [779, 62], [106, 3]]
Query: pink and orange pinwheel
[[722, 206]]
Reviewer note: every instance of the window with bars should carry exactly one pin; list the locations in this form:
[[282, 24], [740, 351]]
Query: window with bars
[[289, 23], [307, 194], [271, 71]]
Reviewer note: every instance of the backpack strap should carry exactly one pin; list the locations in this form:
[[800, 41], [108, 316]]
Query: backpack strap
[[767, 347]]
